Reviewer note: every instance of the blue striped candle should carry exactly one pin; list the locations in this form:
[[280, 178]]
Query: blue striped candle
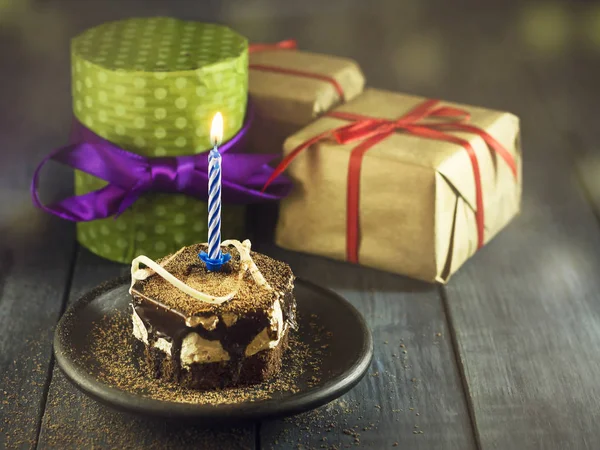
[[215, 257], [214, 203]]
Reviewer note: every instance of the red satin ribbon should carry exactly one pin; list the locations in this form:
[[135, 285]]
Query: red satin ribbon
[[371, 130], [291, 44]]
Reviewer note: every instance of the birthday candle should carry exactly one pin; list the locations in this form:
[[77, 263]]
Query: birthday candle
[[214, 189]]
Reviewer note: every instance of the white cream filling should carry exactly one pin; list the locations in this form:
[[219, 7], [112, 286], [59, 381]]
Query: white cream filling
[[208, 323], [164, 345], [195, 349], [139, 329], [141, 333], [262, 341], [229, 319]]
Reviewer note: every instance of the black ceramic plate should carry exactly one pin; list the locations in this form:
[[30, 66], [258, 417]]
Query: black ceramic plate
[[350, 351]]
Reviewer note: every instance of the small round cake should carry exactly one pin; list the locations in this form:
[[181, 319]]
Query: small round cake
[[212, 329]]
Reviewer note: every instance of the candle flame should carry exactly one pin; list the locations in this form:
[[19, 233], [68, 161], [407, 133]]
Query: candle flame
[[216, 129]]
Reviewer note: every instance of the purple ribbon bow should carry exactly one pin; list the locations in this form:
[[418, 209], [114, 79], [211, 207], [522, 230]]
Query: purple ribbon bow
[[130, 175]]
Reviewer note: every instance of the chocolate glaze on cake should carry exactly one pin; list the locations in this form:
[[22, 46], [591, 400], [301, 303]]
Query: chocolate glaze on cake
[[243, 337]]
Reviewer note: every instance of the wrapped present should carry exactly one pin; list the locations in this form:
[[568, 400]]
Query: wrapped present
[[401, 183], [144, 93], [290, 88]]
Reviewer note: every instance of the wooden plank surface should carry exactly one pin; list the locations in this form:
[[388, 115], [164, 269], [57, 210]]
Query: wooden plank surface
[[525, 314], [36, 251], [32, 285]]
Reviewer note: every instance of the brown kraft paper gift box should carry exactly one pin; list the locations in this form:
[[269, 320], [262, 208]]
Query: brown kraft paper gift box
[[417, 196], [286, 95]]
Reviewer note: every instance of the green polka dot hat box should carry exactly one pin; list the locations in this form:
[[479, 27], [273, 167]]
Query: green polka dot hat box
[[152, 86]]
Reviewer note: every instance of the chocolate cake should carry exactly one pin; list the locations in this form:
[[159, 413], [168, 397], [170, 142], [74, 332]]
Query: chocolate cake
[[211, 329]]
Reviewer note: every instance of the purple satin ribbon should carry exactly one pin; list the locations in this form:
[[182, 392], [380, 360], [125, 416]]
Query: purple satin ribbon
[[130, 175]]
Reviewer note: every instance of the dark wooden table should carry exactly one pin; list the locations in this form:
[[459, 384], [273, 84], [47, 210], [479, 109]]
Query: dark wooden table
[[506, 356]]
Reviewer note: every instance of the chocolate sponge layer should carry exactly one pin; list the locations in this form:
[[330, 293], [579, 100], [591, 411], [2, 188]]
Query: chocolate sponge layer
[[250, 370]]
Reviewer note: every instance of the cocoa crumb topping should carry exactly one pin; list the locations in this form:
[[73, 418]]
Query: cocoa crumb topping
[[188, 267]]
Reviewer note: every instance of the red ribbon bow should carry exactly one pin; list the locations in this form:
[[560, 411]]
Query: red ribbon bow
[[372, 130], [291, 44]]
